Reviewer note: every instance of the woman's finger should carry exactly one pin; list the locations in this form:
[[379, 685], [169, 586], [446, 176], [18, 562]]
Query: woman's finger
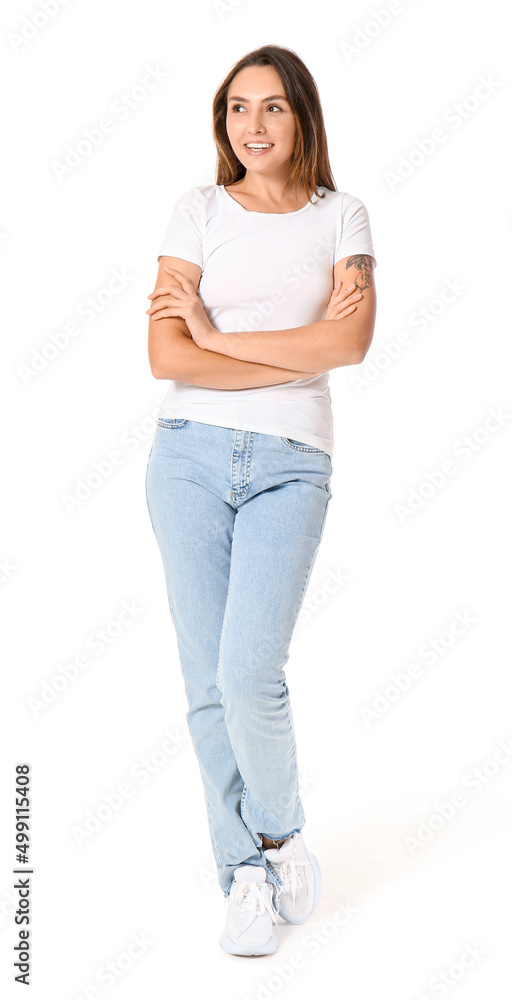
[[350, 297], [165, 312], [166, 300], [165, 290], [182, 278], [343, 293]]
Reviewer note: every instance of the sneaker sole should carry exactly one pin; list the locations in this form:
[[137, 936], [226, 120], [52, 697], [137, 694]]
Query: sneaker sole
[[292, 918], [239, 949]]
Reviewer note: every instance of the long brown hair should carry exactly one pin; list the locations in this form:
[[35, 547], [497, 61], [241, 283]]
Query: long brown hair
[[310, 160]]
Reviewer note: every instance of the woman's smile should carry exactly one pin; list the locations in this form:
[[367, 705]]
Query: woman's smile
[[258, 149]]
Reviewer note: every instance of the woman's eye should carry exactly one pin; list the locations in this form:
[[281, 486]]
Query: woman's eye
[[236, 106]]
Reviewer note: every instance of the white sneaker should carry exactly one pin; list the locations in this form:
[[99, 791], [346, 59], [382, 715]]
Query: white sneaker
[[300, 873], [251, 914]]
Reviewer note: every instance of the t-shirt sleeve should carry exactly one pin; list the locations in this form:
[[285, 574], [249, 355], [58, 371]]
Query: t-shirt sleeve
[[356, 237], [184, 236]]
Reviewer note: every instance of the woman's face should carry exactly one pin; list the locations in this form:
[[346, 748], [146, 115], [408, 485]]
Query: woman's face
[[257, 119]]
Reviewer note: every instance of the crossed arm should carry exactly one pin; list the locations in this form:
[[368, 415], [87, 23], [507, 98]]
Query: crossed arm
[[269, 356], [326, 344]]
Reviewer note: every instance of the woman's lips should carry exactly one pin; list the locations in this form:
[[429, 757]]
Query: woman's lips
[[258, 152]]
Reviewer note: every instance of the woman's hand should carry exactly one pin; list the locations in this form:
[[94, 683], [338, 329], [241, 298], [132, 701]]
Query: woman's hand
[[342, 301], [182, 300]]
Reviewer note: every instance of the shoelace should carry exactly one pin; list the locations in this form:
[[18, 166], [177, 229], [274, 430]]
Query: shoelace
[[249, 893], [289, 873]]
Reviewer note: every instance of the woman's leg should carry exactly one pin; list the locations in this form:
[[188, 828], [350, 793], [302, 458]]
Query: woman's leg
[[276, 537], [207, 503], [188, 470]]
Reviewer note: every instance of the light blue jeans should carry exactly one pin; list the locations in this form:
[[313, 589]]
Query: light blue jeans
[[238, 517]]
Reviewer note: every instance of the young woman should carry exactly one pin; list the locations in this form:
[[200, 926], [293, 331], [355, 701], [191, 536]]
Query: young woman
[[245, 323]]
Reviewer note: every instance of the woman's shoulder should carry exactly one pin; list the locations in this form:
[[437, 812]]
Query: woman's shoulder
[[347, 207], [351, 202], [344, 198], [199, 196]]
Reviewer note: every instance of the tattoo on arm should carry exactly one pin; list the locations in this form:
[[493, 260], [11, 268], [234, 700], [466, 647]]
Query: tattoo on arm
[[364, 263]]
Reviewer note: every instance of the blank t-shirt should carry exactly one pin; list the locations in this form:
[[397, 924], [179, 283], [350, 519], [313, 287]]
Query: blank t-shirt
[[264, 271]]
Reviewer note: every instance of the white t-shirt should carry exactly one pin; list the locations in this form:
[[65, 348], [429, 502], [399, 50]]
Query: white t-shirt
[[264, 271]]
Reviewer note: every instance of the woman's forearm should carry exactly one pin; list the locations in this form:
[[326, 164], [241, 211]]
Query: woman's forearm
[[184, 361], [323, 345], [234, 374]]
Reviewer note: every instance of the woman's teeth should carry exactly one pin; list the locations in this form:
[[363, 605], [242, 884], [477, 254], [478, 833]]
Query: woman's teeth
[[257, 149]]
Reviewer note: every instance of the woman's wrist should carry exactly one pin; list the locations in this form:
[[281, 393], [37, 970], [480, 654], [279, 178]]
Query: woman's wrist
[[200, 327], [211, 340]]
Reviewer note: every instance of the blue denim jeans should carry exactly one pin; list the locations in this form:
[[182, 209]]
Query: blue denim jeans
[[238, 516]]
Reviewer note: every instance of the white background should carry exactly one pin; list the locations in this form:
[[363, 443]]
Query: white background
[[369, 782]]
